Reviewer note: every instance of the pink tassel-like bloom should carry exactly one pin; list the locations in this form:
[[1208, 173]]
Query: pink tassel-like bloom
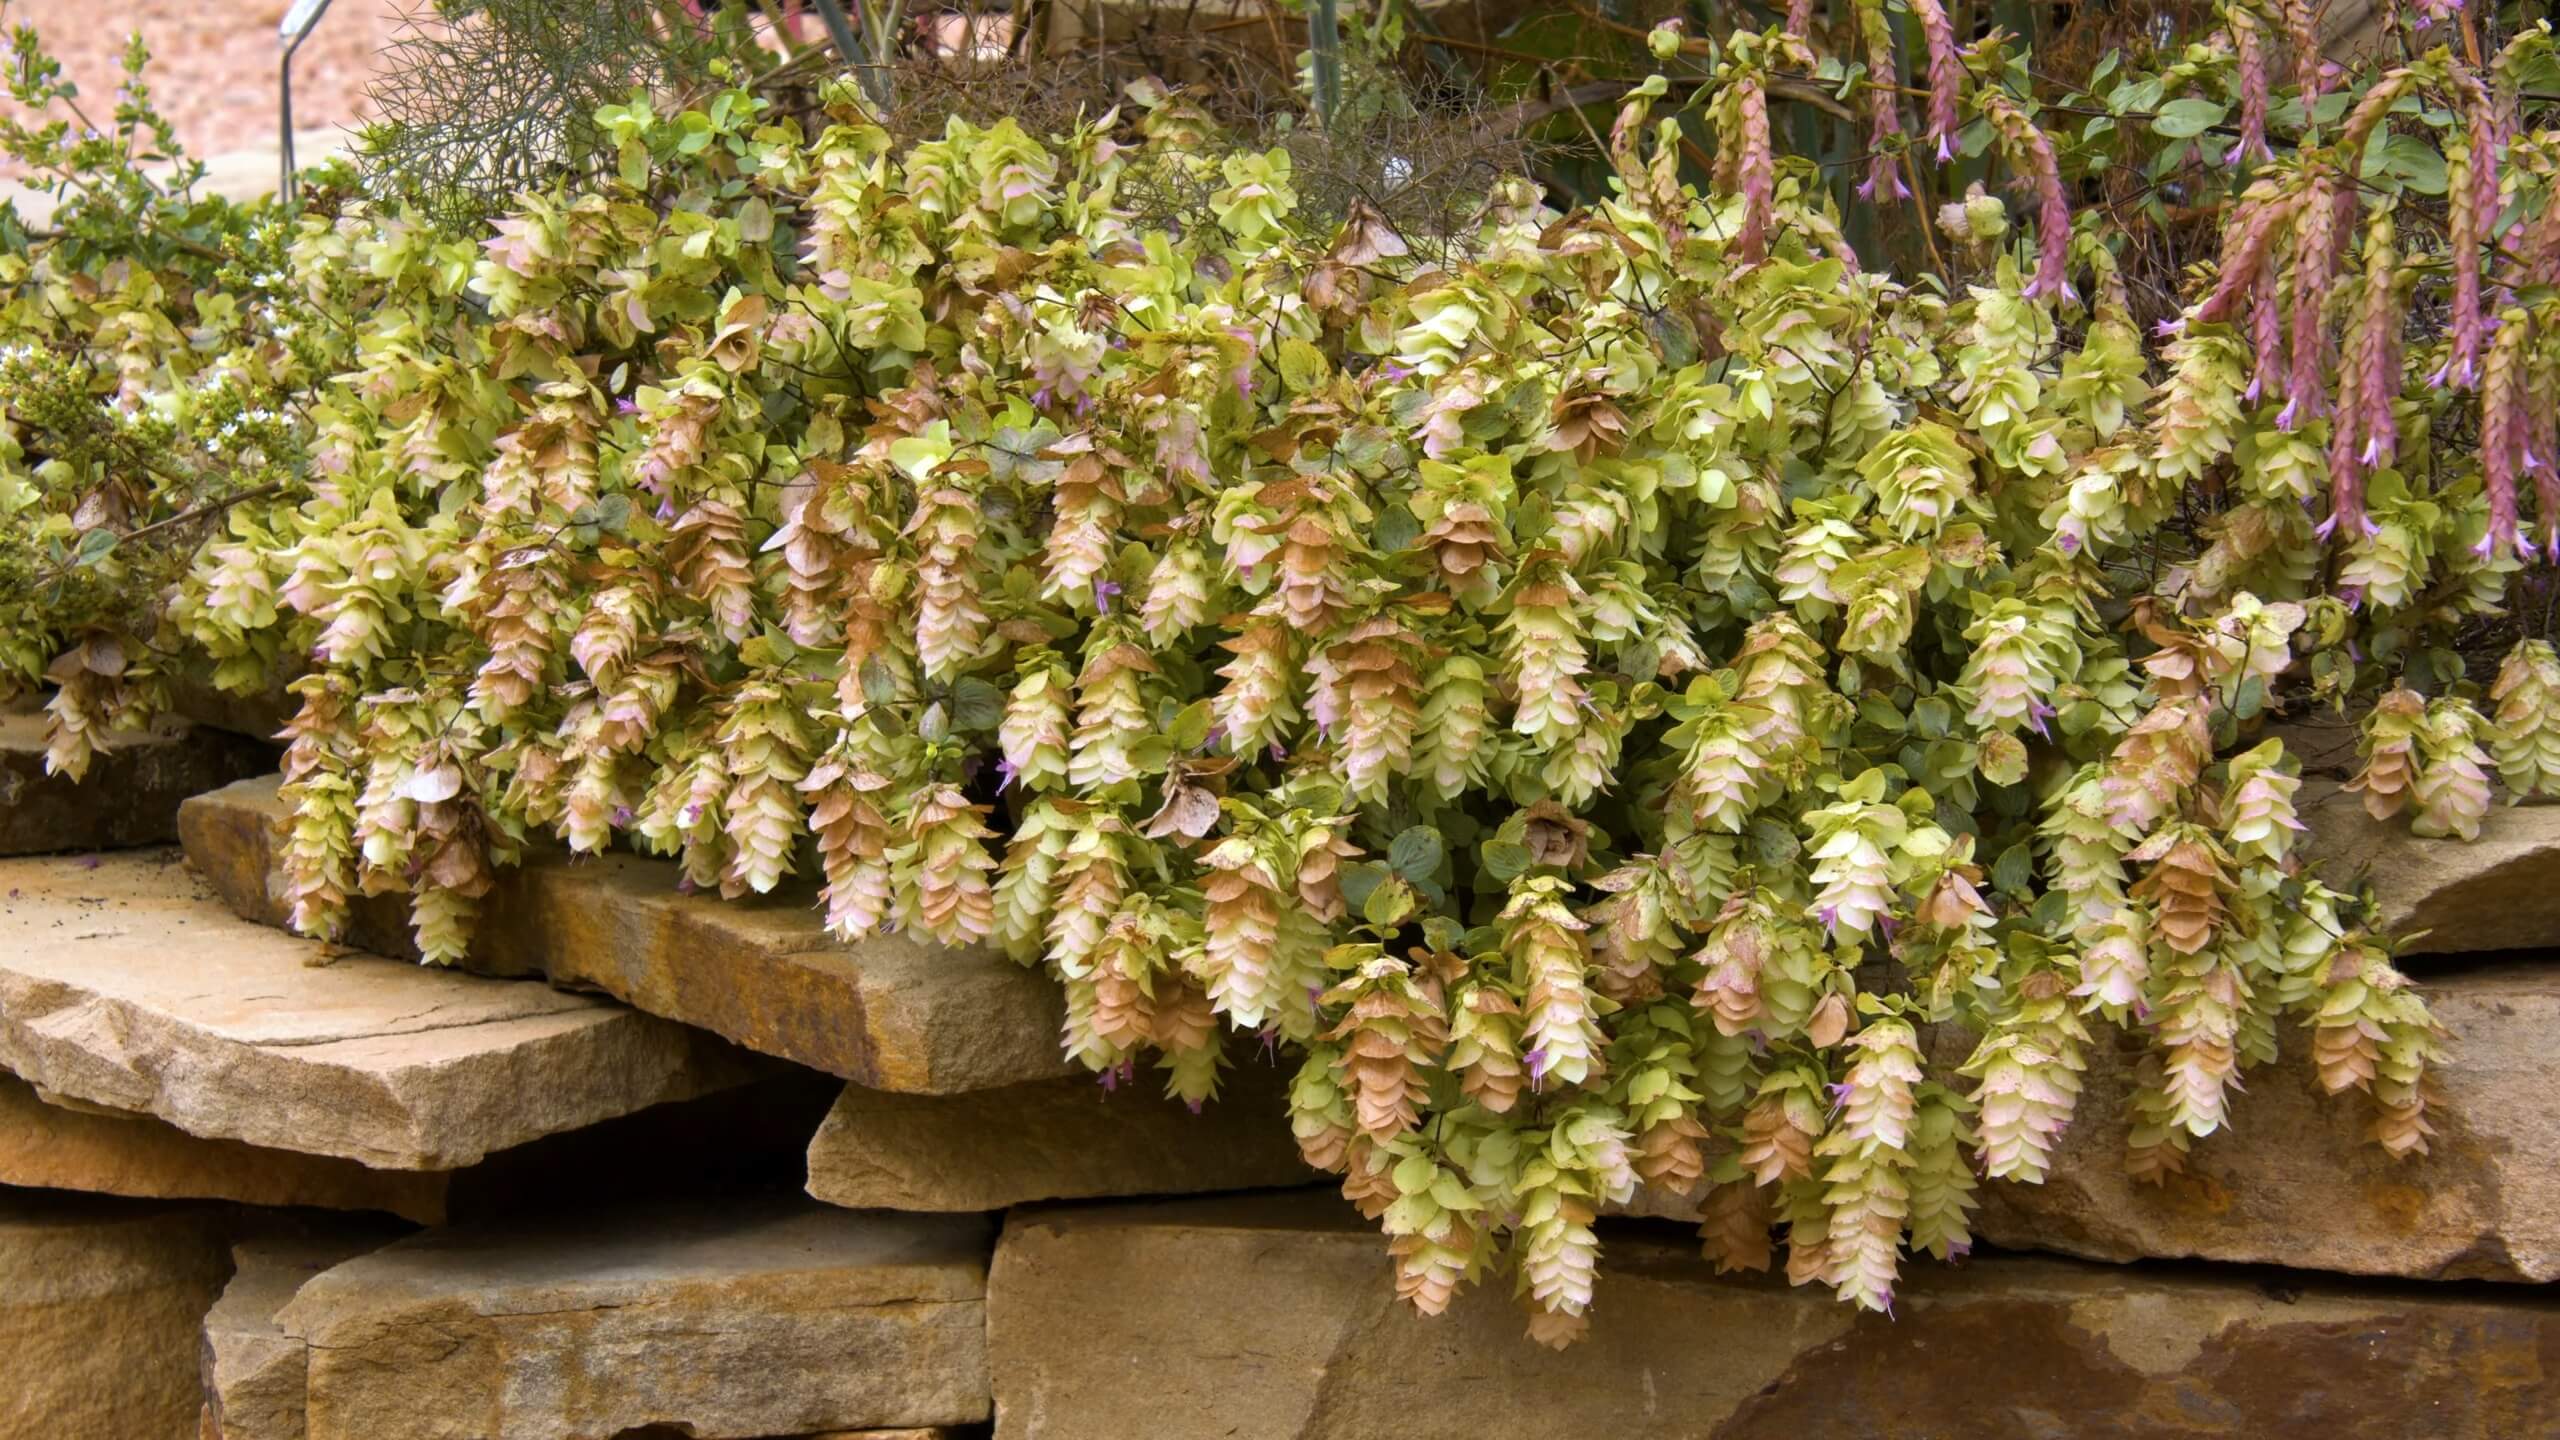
[[2315, 264], [2245, 255], [2464, 226], [1799, 18], [2249, 46], [2302, 37], [2030, 151], [2502, 419], [1945, 74], [1757, 175], [1884, 106], [2377, 371], [2266, 333]]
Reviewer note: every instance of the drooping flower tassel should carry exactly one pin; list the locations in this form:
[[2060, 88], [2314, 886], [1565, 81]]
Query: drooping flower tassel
[[2464, 158], [2248, 44], [2363, 435], [2315, 261], [2502, 413], [1755, 172], [1946, 73], [1884, 105], [2031, 152]]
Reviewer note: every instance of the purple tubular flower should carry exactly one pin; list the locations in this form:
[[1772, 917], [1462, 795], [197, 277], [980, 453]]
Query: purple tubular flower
[[1103, 590], [1009, 772]]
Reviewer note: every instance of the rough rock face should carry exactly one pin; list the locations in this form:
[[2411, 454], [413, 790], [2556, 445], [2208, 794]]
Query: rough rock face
[[99, 1302], [1050, 1140], [256, 1376], [889, 1012], [114, 1153], [2494, 893], [758, 1317], [2296, 1183], [132, 792], [122, 983], [1274, 1316]]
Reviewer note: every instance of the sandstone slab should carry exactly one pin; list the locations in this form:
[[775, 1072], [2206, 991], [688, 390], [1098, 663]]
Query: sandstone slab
[[890, 1012], [99, 1303], [124, 983], [131, 794], [256, 1377], [2296, 1183], [1050, 1140], [2445, 896], [112, 1152], [1266, 1317], [756, 1317]]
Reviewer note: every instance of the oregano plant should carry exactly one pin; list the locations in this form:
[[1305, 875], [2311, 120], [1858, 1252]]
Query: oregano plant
[[1642, 697]]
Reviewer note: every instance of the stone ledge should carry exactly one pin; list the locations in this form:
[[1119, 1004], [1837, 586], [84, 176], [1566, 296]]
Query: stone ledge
[[124, 983], [744, 1317], [2294, 1182], [2444, 896], [1274, 1318], [889, 1013], [1052, 1140], [99, 1303], [108, 1152], [132, 791]]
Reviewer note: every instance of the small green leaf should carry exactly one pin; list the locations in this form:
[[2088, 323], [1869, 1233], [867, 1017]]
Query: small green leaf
[[1388, 905], [2185, 119], [1415, 854], [976, 704], [1504, 860], [2013, 874], [1190, 729], [1360, 879]]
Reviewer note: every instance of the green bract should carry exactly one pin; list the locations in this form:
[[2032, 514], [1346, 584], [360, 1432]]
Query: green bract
[[1611, 706]]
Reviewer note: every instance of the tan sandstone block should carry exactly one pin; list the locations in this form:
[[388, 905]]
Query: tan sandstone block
[[125, 984], [1266, 1317], [1052, 1140], [889, 1012], [114, 1152], [131, 793], [734, 1318], [99, 1303]]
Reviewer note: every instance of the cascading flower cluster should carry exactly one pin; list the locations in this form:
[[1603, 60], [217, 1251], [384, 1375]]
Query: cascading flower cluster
[[1647, 702]]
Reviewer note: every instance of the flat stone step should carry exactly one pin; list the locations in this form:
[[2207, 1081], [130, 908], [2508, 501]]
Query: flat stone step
[[756, 1133], [126, 983], [2444, 896], [130, 796], [1052, 1140], [750, 1317], [110, 1152], [890, 1013], [1274, 1318], [2296, 1183], [256, 1378], [100, 1300]]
